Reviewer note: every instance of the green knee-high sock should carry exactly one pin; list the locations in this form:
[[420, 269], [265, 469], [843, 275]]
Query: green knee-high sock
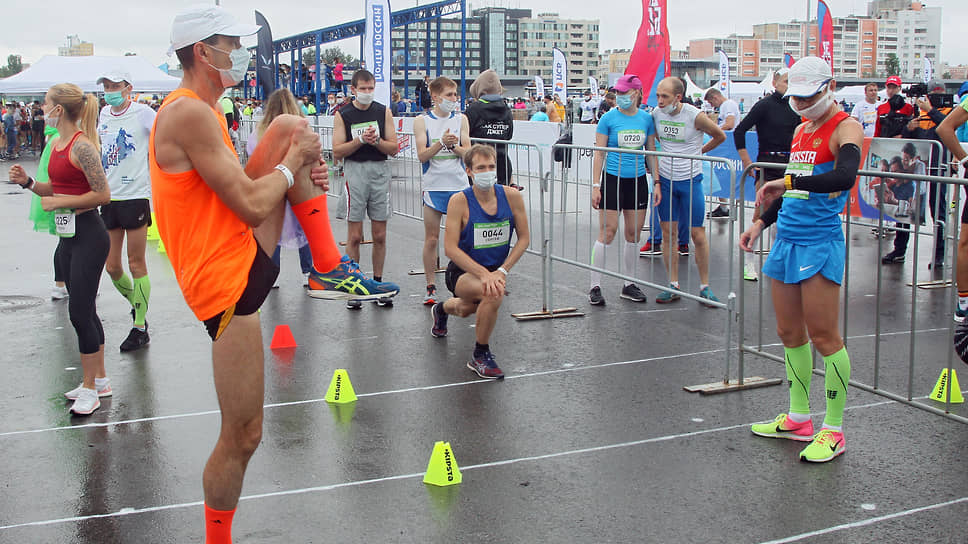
[[142, 292], [124, 286], [835, 382], [799, 367]]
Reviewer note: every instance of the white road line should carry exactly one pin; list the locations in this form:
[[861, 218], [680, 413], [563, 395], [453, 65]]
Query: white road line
[[863, 523], [130, 511], [362, 395]]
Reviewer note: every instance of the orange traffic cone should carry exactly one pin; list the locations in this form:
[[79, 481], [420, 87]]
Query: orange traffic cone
[[282, 338]]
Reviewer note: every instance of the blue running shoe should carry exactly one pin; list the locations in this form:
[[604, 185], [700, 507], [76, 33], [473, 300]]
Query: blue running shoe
[[707, 294], [484, 366], [439, 330], [347, 281]]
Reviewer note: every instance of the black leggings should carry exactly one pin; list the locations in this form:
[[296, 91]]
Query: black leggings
[[82, 259]]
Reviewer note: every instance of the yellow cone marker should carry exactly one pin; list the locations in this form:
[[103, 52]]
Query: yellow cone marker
[[442, 469], [161, 246], [340, 389], [153, 229], [940, 392]]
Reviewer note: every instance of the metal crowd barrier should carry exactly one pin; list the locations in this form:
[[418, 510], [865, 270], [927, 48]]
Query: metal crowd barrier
[[951, 205], [570, 244]]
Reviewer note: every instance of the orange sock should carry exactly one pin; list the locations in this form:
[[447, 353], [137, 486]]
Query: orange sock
[[314, 219], [218, 526]]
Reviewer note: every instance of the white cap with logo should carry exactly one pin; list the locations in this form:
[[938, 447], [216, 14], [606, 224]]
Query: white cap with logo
[[808, 76], [196, 23], [115, 75]]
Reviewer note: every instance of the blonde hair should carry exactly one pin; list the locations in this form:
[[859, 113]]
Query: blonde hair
[[280, 101], [478, 150], [80, 109]]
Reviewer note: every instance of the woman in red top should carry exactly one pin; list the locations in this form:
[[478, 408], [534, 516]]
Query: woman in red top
[[77, 186]]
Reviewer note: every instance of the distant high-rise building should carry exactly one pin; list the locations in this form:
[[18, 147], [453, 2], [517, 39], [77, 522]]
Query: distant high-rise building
[[578, 39], [76, 48], [862, 45]]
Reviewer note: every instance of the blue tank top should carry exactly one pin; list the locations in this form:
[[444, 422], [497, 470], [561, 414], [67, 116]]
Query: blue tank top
[[487, 238], [807, 217]]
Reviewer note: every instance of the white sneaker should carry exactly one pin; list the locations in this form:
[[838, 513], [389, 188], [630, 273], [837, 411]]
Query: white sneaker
[[58, 293], [749, 272], [87, 402], [103, 391]]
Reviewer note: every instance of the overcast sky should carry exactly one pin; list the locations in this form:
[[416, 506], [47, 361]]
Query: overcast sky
[[143, 28]]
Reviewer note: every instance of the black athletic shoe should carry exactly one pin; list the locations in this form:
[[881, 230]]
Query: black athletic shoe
[[719, 212], [894, 257], [595, 296], [136, 339], [961, 342], [633, 293], [439, 329]]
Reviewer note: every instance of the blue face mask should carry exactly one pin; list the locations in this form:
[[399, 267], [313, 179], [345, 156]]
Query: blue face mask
[[624, 101], [114, 99]]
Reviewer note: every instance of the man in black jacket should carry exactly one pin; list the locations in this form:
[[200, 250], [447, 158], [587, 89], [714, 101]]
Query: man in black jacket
[[923, 127], [490, 118]]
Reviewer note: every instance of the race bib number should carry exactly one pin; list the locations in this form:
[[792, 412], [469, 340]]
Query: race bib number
[[631, 139], [358, 129], [444, 153], [870, 117], [64, 222], [492, 234], [798, 169], [672, 131]]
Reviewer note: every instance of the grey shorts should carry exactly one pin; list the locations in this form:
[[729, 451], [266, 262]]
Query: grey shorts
[[367, 190]]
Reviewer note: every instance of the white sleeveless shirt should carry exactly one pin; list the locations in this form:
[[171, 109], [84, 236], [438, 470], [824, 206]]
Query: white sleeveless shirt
[[445, 170], [678, 134]]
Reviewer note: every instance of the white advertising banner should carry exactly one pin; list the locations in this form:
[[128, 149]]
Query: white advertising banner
[[376, 48], [559, 73]]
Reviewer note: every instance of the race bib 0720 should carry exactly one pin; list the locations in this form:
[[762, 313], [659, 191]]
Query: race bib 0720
[[631, 139], [492, 234]]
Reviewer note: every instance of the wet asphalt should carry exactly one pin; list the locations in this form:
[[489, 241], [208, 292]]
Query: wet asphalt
[[590, 438]]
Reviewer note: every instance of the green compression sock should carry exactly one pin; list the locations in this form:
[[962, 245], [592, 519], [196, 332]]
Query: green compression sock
[[142, 292], [799, 366], [835, 382], [124, 286]]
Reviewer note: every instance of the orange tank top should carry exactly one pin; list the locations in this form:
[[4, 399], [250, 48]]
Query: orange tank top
[[210, 248]]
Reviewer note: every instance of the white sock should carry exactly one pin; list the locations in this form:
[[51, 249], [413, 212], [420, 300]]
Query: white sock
[[100, 382], [963, 303], [674, 284], [598, 261], [703, 286], [631, 258], [798, 418], [833, 428]]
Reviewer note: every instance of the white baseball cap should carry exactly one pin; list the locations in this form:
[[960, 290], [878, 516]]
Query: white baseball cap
[[196, 23], [115, 75], [808, 77]]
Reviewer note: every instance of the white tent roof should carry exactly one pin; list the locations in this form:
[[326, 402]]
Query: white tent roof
[[84, 72]]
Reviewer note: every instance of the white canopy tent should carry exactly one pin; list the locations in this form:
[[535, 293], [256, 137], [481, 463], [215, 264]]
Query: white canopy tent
[[84, 72]]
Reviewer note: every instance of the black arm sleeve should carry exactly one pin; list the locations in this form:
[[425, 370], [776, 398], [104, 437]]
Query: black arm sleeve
[[748, 122], [841, 178], [768, 217]]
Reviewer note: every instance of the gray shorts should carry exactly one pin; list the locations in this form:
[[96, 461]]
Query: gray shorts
[[367, 190]]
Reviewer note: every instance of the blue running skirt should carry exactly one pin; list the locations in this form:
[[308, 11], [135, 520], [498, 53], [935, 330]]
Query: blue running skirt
[[793, 263]]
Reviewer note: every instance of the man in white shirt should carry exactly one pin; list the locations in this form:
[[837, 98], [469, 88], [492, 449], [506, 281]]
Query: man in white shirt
[[589, 107], [728, 119], [124, 127], [866, 112]]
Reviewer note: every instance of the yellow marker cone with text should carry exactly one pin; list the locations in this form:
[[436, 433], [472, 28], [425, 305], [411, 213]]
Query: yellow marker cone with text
[[442, 469], [940, 393], [340, 389]]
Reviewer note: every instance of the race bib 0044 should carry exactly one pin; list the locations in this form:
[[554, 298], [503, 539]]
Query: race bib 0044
[[492, 234]]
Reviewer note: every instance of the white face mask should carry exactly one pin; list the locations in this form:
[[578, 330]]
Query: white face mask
[[448, 105], [240, 63], [51, 120], [364, 98], [485, 180], [818, 109], [669, 109]]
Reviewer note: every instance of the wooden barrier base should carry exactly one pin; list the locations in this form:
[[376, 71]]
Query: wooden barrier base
[[545, 314], [934, 284], [421, 272], [714, 388]]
